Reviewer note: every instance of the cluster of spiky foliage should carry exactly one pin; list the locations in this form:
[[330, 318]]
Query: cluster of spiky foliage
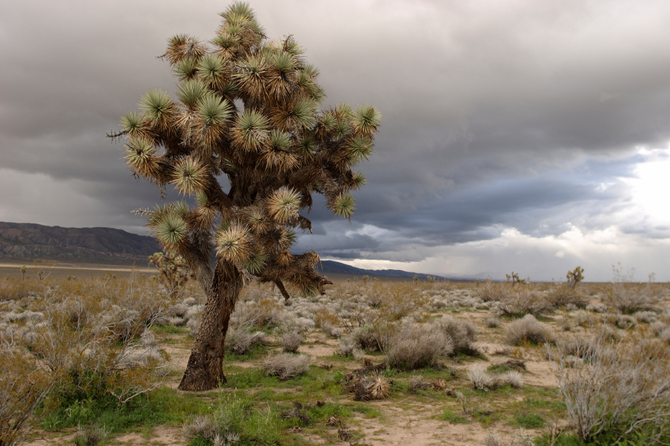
[[374, 387], [246, 108]]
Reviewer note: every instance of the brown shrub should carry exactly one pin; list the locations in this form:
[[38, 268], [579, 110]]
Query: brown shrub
[[286, 365], [412, 346], [528, 329]]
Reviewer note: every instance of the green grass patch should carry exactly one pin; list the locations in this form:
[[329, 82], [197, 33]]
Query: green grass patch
[[529, 421], [162, 406], [453, 418]]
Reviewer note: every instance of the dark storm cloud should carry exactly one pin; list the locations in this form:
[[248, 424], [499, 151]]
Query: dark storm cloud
[[495, 114]]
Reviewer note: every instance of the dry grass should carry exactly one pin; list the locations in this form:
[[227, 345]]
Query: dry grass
[[286, 365], [528, 329], [413, 345], [291, 341], [619, 387]]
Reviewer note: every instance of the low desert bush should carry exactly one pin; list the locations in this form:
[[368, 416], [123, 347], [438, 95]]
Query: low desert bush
[[261, 313], [398, 299], [239, 340], [623, 295], [366, 338], [235, 420], [90, 436], [412, 345], [646, 317], [481, 379], [286, 365], [462, 333], [291, 341], [510, 299], [528, 329], [492, 322], [350, 348], [24, 385], [621, 389], [565, 295], [625, 321]]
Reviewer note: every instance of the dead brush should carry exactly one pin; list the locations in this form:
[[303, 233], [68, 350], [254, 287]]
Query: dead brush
[[528, 329], [621, 388], [291, 341], [239, 340], [412, 345], [417, 382], [625, 296], [564, 294], [24, 386], [399, 299], [258, 314], [374, 387], [286, 365], [463, 334]]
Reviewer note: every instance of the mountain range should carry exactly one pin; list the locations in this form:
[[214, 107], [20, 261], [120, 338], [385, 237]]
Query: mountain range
[[29, 241]]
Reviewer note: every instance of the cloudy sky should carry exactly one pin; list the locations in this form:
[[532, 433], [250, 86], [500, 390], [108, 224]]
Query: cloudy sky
[[517, 135]]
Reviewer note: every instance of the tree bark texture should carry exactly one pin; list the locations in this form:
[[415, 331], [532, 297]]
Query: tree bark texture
[[205, 365]]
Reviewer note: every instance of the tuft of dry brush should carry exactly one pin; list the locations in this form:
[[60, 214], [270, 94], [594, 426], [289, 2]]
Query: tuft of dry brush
[[286, 365], [528, 329], [463, 334], [412, 345], [291, 341], [621, 388]]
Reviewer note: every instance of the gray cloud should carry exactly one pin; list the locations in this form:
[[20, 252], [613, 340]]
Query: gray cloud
[[495, 115]]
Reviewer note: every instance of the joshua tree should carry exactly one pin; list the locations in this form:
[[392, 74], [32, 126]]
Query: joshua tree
[[247, 145], [575, 276]]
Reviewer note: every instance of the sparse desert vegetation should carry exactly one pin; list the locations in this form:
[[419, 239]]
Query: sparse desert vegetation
[[98, 360]]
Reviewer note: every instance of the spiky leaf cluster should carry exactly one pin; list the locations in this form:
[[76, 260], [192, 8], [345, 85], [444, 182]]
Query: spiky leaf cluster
[[247, 108]]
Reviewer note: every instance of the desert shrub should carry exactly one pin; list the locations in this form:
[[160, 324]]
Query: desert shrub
[[90, 436], [521, 439], [510, 299], [665, 335], [528, 329], [24, 385], [623, 295], [625, 321], [511, 378], [286, 365], [264, 312], [239, 340], [235, 420], [647, 317], [413, 345], [291, 341], [658, 327], [350, 348], [481, 379], [563, 295], [463, 334], [366, 337], [398, 299], [492, 322], [621, 389]]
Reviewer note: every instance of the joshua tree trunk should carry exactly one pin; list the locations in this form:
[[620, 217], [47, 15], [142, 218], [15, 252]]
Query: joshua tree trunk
[[205, 365]]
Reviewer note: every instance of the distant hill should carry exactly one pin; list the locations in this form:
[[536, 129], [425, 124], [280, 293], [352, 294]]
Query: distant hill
[[332, 267], [28, 241]]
